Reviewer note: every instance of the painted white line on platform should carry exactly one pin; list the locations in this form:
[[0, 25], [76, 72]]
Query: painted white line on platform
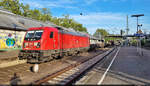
[[101, 80]]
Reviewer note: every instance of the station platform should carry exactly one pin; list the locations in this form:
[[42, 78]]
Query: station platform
[[128, 68]]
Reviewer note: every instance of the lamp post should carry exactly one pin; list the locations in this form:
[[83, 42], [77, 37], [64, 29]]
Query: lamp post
[[137, 15], [140, 25], [138, 44]]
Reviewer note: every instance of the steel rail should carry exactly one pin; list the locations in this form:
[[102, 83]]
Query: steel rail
[[67, 75]]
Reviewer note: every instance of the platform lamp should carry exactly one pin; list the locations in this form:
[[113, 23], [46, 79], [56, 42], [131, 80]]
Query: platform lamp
[[137, 15]]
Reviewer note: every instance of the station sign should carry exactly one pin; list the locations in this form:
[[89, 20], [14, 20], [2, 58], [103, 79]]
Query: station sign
[[139, 35]]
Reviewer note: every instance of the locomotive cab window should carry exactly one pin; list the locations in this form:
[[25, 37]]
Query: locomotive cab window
[[51, 34], [34, 35]]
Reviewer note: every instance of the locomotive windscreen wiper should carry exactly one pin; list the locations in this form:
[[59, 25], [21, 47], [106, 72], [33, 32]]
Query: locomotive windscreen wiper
[[35, 34]]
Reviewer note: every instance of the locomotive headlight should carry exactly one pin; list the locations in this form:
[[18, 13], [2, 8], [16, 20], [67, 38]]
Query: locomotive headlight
[[37, 44]]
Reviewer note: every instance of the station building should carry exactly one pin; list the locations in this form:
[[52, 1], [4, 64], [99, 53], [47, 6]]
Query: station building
[[13, 28]]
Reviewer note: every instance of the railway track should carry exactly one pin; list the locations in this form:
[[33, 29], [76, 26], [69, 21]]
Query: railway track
[[69, 74], [24, 72]]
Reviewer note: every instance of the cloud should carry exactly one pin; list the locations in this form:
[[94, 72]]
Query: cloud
[[49, 3], [108, 21], [90, 1], [92, 20], [52, 5], [112, 22], [96, 18], [66, 1], [32, 4], [115, 0], [36, 5], [110, 0], [61, 3]]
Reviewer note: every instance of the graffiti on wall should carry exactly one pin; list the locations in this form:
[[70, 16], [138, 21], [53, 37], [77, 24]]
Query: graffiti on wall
[[9, 39]]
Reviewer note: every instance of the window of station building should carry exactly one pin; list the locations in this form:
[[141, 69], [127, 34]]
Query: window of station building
[[51, 34]]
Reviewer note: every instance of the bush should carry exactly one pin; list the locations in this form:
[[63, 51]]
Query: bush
[[134, 42], [142, 42]]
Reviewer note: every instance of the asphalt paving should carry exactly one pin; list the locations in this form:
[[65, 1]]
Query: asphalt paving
[[128, 68]]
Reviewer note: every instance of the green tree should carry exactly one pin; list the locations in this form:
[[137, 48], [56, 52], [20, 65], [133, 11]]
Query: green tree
[[11, 5], [25, 10], [46, 14], [35, 14], [101, 32], [43, 14]]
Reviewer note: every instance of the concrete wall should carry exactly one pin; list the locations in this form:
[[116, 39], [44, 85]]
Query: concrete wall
[[8, 39]]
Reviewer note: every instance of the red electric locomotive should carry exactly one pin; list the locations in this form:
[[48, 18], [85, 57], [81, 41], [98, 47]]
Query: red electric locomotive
[[41, 44]]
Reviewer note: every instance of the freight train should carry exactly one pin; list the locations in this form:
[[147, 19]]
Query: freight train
[[41, 44], [96, 43]]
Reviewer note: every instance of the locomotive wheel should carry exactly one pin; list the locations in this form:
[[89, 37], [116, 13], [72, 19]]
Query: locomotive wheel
[[49, 59], [58, 57], [74, 54], [78, 53], [66, 54], [61, 55], [69, 54]]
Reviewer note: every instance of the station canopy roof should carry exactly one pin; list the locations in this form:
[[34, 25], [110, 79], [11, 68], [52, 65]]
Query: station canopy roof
[[12, 21]]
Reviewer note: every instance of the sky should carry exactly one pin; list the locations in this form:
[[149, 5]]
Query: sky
[[107, 14]]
